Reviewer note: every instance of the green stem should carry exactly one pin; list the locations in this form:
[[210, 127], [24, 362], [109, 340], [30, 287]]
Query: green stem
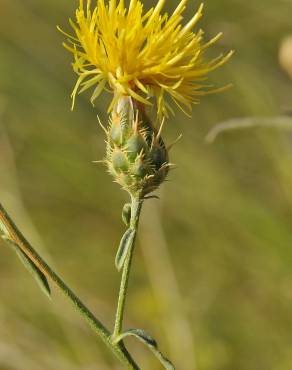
[[9, 231], [135, 215]]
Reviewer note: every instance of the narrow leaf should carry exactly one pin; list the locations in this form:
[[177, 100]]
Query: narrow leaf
[[150, 343], [32, 268], [126, 214], [125, 245]]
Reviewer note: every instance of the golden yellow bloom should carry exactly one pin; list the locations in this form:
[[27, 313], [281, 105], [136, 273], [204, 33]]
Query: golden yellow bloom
[[142, 55]]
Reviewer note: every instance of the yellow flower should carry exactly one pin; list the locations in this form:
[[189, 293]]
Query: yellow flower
[[140, 54]]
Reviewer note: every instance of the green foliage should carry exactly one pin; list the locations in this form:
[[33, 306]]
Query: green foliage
[[33, 269], [126, 214], [145, 338], [125, 245]]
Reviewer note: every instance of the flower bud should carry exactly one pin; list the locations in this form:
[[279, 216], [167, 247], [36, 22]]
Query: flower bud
[[136, 155]]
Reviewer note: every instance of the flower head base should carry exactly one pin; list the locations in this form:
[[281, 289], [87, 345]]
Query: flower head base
[[142, 55], [136, 155]]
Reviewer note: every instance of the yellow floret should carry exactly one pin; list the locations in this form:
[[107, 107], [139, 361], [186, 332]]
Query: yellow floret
[[140, 54]]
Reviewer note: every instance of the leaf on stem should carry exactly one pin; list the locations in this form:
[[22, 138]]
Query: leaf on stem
[[150, 343], [126, 214], [125, 245], [32, 268]]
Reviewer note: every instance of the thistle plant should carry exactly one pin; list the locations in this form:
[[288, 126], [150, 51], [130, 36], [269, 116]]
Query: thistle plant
[[143, 59]]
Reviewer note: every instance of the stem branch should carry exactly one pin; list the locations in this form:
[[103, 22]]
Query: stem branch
[[136, 207], [9, 230]]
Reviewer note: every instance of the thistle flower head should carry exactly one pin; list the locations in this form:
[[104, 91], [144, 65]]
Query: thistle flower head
[[141, 54], [136, 155]]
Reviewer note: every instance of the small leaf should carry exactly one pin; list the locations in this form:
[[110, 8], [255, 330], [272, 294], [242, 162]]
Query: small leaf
[[32, 268], [126, 214], [150, 343], [125, 244]]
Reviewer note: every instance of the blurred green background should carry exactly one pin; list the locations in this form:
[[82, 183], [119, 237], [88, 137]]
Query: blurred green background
[[212, 278]]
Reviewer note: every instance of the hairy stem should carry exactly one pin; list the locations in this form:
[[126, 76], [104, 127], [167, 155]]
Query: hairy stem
[[8, 230], [136, 207]]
